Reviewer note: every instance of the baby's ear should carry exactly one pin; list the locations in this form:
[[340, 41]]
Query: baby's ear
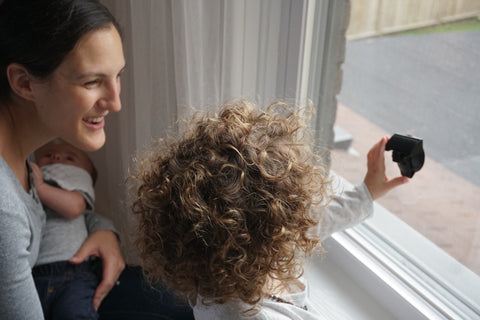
[[20, 81]]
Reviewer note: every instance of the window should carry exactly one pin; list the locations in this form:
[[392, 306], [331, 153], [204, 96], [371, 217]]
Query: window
[[203, 52], [422, 82]]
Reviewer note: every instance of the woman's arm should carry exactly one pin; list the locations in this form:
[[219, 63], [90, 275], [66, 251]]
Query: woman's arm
[[18, 295]]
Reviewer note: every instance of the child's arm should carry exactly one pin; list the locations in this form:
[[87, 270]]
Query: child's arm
[[69, 204], [355, 204]]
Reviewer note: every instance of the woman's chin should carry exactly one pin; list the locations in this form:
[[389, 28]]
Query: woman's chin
[[93, 147], [89, 143], [95, 144]]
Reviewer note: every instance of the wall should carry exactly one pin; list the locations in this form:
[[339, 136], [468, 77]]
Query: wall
[[376, 17]]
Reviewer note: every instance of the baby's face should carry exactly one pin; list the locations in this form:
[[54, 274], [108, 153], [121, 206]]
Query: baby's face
[[63, 153]]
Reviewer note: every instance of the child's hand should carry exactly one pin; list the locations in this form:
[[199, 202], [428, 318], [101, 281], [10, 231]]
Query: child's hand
[[37, 174], [376, 180]]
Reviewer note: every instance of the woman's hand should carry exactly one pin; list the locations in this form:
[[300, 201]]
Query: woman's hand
[[376, 179], [102, 244]]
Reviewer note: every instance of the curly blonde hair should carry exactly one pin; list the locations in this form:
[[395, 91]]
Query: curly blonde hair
[[226, 205]]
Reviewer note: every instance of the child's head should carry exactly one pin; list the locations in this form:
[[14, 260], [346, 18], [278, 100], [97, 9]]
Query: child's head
[[59, 151], [226, 206]]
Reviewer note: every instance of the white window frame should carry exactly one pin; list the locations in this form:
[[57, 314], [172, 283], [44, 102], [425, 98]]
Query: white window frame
[[404, 271]]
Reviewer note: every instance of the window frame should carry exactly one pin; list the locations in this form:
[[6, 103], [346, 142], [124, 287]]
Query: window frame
[[404, 271]]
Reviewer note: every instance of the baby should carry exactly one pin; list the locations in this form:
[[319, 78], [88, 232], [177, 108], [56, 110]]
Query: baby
[[65, 177]]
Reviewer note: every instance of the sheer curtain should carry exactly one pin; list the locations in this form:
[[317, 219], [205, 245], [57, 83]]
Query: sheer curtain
[[184, 55]]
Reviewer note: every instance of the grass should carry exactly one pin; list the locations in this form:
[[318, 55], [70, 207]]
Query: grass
[[463, 25]]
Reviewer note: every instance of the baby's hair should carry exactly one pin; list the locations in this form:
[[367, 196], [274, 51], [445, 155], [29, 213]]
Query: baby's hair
[[225, 206]]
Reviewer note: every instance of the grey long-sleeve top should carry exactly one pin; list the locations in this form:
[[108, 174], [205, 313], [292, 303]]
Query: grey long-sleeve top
[[22, 219]]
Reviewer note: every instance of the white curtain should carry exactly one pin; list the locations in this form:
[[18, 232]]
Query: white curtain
[[183, 55]]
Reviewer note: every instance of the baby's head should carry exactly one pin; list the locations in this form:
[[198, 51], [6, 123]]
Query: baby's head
[[225, 207], [59, 151]]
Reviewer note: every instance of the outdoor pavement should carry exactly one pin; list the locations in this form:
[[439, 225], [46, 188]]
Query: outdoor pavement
[[427, 86]]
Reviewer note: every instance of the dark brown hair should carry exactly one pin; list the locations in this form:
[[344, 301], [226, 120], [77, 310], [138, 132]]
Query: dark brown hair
[[38, 34]]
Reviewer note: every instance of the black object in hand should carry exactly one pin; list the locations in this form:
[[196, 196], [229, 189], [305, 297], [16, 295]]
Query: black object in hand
[[407, 152]]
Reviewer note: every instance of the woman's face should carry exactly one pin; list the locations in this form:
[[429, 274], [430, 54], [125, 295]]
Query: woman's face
[[74, 101]]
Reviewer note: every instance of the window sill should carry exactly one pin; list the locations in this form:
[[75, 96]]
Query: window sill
[[405, 273]]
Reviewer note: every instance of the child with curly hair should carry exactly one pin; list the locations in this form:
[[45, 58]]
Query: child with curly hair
[[229, 211]]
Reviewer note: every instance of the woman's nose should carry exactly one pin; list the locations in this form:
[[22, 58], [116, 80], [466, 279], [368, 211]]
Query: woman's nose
[[111, 101]]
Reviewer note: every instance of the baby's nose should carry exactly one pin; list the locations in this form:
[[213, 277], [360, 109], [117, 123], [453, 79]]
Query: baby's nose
[[56, 156]]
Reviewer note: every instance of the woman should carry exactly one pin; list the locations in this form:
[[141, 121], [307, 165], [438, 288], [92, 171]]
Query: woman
[[60, 66]]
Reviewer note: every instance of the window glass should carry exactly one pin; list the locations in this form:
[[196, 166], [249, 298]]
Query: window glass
[[423, 82]]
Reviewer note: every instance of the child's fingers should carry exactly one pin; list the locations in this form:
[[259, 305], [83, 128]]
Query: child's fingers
[[395, 182], [375, 156]]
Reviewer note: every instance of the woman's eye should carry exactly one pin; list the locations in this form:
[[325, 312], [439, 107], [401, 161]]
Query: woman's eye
[[92, 83], [119, 75]]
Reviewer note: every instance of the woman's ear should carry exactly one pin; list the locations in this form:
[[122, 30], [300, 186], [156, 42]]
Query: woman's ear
[[20, 81]]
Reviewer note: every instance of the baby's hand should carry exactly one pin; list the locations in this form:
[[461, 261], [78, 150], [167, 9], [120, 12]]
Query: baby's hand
[[37, 174]]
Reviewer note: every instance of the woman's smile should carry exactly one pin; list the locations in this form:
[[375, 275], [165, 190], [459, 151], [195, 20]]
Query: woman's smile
[[95, 122]]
